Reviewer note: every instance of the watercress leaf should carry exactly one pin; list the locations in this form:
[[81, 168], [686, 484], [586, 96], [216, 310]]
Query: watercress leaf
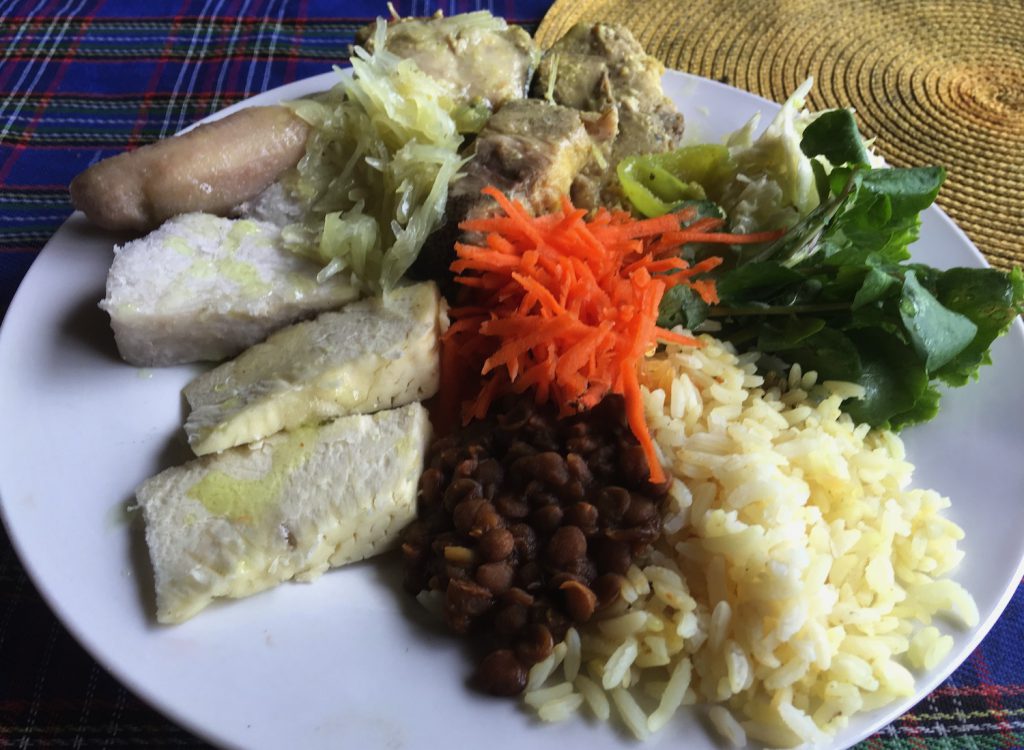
[[788, 333], [925, 407], [893, 378], [846, 179], [820, 180], [760, 281], [801, 241], [990, 300], [839, 284], [681, 306], [910, 191], [877, 284], [834, 135], [831, 354], [880, 220], [937, 333], [869, 234], [901, 234], [882, 314], [1016, 279]]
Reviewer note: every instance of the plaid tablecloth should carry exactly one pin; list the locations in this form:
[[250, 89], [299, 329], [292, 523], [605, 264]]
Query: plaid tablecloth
[[83, 79]]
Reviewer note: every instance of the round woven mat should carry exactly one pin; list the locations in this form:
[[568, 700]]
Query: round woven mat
[[935, 81]]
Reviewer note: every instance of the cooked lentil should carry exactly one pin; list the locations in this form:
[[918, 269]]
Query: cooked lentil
[[527, 523]]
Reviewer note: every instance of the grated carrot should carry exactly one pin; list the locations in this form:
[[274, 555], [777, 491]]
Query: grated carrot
[[568, 307]]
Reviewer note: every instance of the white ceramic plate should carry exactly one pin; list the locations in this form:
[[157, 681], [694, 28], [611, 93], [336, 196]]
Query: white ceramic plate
[[350, 661]]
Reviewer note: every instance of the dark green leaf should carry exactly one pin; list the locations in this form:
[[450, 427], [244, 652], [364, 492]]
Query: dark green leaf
[[883, 314], [787, 334], [925, 408], [894, 381], [681, 306], [840, 284], [800, 241], [877, 284], [868, 230], [820, 180], [910, 191], [990, 300], [938, 333], [831, 354], [834, 135], [1017, 282], [840, 177], [756, 280]]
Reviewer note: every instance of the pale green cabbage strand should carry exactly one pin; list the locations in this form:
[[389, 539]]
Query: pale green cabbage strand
[[375, 176]]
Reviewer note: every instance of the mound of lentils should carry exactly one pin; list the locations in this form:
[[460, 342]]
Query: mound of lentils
[[527, 524]]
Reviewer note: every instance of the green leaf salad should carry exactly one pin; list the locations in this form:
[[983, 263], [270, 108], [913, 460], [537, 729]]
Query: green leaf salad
[[837, 292]]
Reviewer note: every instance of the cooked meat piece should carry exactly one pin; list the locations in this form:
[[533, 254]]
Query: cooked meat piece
[[601, 126], [594, 65], [599, 67], [480, 59], [531, 150]]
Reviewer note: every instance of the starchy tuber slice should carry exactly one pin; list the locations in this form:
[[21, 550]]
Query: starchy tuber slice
[[211, 169], [375, 354], [298, 503], [204, 288]]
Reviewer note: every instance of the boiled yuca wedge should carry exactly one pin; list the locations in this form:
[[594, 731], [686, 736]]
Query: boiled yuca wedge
[[298, 503], [203, 288], [374, 354]]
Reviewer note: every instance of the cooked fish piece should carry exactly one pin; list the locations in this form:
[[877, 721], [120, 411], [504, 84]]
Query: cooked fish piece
[[205, 288], [291, 507], [211, 169], [478, 58], [599, 67], [374, 354]]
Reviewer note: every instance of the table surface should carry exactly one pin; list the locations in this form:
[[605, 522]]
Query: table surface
[[83, 79]]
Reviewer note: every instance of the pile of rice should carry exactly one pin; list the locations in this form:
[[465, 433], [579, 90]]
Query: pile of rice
[[798, 576]]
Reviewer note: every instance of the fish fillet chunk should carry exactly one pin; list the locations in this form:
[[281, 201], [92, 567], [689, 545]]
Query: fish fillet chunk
[[288, 508], [203, 288], [374, 354]]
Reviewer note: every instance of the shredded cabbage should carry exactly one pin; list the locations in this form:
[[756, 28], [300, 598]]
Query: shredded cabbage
[[378, 163], [774, 183]]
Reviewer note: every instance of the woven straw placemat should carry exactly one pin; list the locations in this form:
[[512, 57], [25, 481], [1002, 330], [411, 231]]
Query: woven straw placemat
[[935, 81]]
